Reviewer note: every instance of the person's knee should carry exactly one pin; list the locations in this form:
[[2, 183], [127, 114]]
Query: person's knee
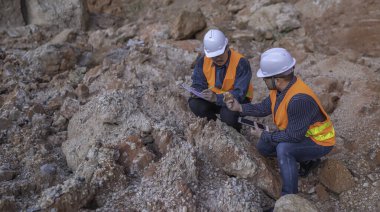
[[264, 148], [261, 148], [228, 116], [282, 150], [197, 107]]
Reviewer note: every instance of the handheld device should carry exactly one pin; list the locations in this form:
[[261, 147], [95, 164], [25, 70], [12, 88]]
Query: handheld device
[[252, 123]]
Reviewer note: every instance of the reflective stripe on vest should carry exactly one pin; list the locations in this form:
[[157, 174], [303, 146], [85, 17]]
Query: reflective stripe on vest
[[322, 133], [229, 79]]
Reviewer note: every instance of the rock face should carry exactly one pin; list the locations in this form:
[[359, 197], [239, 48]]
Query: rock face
[[10, 14], [94, 118], [66, 14]]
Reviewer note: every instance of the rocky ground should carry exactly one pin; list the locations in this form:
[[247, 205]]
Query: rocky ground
[[92, 116]]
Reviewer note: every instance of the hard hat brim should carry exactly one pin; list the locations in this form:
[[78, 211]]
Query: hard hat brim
[[260, 73], [218, 52], [214, 54]]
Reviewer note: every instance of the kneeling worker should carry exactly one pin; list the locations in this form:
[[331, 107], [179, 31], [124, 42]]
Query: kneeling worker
[[305, 132], [221, 70]]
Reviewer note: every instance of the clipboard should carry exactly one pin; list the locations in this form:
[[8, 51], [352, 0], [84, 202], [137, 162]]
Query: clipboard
[[192, 90]]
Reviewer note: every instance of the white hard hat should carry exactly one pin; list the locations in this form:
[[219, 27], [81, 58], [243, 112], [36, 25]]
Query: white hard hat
[[275, 61], [214, 43]]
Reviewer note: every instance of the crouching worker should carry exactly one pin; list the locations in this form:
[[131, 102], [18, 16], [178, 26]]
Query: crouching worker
[[305, 132], [221, 70]]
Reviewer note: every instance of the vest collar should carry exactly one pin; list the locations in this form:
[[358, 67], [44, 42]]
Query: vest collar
[[227, 62]]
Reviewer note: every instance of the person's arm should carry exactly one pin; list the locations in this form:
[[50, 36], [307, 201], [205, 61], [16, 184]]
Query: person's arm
[[302, 112], [242, 80], [199, 79], [261, 109]]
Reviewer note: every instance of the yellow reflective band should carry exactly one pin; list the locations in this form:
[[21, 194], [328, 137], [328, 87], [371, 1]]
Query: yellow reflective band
[[249, 94], [325, 137], [318, 129]]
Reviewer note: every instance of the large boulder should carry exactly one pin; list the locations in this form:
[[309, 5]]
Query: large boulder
[[187, 24], [66, 14], [229, 151], [336, 177], [50, 59], [96, 120], [10, 14]]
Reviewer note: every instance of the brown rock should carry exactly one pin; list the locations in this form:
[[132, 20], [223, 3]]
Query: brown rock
[[55, 103], [69, 107], [5, 123], [36, 108], [322, 194], [82, 91], [6, 175], [329, 102], [377, 158], [92, 74], [335, 176], [187, 24], [162, 139], [133, 155], [329, 91]]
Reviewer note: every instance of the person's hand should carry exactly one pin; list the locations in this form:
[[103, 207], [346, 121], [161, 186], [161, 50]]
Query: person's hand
[[209, 95], [231, 103], [256, 131]]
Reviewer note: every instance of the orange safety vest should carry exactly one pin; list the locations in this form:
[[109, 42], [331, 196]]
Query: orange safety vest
[[322, 133], [229, 79]]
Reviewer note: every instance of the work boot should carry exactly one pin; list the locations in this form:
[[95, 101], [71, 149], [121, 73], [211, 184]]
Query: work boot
[[307, 166]]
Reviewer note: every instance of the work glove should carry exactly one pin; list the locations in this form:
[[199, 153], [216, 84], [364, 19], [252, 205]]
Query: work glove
[[209, 95], [231, 103]]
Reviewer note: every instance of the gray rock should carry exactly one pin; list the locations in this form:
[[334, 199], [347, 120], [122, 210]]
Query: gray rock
[[6, 174], [294, 203], [10, 14], [48, 169], [5, 123], [66, 14]]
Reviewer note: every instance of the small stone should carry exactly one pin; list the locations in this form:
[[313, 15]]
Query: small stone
[[48, 169], [82, 91], [6, 175]]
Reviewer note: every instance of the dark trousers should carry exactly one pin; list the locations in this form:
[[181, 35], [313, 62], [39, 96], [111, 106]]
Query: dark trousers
[[288, 155], [203, 108]]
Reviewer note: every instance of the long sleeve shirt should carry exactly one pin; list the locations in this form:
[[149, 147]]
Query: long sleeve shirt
[[302, 111], [242, 79]]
